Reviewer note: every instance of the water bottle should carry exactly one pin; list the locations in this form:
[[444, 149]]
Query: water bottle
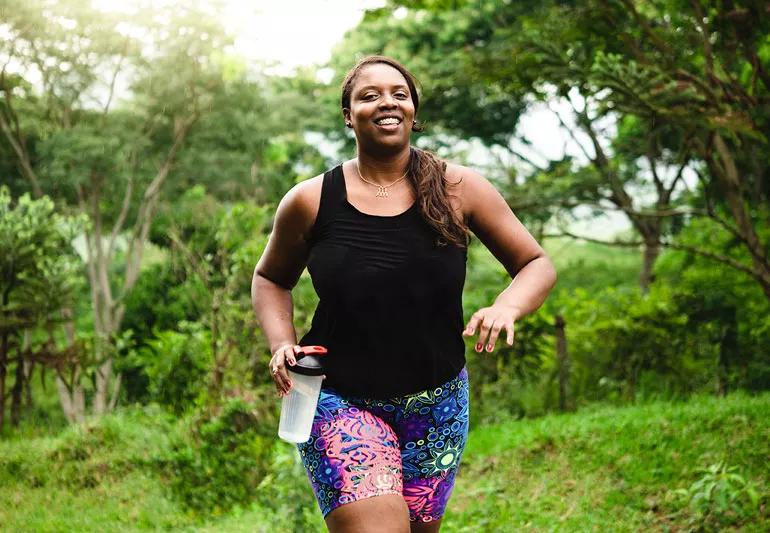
[[298, 406]]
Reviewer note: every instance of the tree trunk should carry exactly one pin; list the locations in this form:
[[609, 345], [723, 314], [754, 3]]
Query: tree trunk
[[71, 397], [72, 401], [727, 172], [16, 390], [728, 348], [3, 368], [18, 383], [562, 359], [651, 252], [103, 377], [19, 147], [107, 309], [29, 369]]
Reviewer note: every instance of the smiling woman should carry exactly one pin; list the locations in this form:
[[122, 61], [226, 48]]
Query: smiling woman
[[384, 237]]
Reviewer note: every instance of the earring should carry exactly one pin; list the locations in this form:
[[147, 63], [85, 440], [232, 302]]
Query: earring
[[348, 124]]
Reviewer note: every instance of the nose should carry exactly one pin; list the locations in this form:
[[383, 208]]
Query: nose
[[388, 101]]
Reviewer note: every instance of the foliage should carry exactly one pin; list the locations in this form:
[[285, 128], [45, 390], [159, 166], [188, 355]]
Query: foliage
[[720, 497], [223, 464], [38, 277], [175, 365], [39, 265]]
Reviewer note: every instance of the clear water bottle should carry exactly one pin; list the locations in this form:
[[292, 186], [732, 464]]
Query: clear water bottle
[[298, 406]]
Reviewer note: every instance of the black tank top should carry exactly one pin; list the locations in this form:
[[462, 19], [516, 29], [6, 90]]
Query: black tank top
[[390, 298]]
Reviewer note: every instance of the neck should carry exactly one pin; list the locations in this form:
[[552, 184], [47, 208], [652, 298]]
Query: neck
[[383, 169]]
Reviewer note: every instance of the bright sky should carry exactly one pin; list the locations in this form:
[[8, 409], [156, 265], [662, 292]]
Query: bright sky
[[292, 32]]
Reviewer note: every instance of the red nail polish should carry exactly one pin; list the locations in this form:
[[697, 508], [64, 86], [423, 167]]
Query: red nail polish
[[490, 347], [479, 346]]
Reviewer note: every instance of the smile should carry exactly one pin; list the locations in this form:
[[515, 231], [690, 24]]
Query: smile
[[387, 121]]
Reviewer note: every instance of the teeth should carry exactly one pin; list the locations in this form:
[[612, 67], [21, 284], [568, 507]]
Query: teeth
[[389, 120]]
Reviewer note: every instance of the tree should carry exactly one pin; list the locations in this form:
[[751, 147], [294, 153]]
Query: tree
[[108, 164], [38, 274], [645, 65]]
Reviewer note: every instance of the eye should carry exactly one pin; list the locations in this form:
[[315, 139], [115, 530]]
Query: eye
[[369, 96], [402, 95]]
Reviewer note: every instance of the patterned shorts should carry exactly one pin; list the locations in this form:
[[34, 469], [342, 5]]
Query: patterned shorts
[[409, 445]]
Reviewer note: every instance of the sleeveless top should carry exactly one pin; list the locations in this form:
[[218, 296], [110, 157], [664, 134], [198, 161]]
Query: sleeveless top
[[390, 298]]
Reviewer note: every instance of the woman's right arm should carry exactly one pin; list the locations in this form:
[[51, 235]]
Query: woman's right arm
[[278, 270]]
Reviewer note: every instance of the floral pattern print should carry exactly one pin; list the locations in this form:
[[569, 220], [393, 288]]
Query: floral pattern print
[[409, 445]]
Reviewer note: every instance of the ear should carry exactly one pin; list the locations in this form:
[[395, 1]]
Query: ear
[[346, 116]]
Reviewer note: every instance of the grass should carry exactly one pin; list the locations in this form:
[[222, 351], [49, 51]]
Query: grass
[[601, 469], [613, 469], [608, 266]]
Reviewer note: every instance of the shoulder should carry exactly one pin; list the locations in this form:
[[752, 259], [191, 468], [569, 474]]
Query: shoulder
[[470, 187], [463, 176], [299, 206]]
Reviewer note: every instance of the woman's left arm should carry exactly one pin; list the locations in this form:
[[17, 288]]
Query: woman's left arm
[[533, 275]]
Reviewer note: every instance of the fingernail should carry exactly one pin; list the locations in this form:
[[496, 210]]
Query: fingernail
[[479, 346], [490, 347]]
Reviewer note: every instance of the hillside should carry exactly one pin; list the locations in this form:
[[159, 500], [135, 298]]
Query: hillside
[[602, 469]]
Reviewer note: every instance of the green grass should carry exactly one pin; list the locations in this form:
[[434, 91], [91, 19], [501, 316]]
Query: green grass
[[608, 266], [613, 469], [601, 469]]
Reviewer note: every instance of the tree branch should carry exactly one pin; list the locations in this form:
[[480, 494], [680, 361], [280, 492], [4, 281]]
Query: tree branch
[[645, 25], [118, 226], [726, 260], [16, 140], [147, 208], [114, 78]]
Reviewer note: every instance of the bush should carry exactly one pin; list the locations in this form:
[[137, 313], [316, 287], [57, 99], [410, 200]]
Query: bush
[[223, 463], [175, 365], [719, 498], [95, 453]]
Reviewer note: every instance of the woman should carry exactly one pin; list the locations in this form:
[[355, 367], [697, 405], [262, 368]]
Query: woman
[[384, 238]]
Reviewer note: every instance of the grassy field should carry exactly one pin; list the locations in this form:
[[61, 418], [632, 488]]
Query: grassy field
[[640, 468]]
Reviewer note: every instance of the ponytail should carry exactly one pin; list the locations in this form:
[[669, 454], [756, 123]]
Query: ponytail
[[427, 174]]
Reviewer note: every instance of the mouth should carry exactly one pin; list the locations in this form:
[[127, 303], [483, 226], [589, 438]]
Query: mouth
[[388, 121]]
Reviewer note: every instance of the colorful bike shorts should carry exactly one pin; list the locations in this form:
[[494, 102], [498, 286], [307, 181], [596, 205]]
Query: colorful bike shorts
[[409, 445]]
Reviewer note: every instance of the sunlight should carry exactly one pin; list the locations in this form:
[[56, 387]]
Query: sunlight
[[283, 34]]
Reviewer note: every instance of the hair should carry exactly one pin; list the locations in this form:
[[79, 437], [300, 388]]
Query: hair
[[425, 170]]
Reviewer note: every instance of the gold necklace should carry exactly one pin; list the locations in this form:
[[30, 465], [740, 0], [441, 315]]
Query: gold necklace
[[382, 190]]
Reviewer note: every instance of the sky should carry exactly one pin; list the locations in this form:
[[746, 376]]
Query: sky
[[292, 32]]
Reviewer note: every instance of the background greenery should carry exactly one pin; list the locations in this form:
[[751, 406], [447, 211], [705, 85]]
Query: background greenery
[[141, 165]]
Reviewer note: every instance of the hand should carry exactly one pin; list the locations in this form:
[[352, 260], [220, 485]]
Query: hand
[[490, 321], [284, 354]]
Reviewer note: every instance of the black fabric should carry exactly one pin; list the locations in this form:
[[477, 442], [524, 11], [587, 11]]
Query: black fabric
[[390, 298]]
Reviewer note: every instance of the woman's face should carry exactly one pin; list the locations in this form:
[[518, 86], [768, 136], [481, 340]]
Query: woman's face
[[381, 107]]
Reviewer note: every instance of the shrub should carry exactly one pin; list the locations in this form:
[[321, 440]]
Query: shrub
[[175, 364], [721, 497], [222, 463]]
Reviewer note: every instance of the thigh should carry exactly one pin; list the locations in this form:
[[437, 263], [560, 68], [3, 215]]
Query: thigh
[[432, 430], [351, 454], [386, 513]]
